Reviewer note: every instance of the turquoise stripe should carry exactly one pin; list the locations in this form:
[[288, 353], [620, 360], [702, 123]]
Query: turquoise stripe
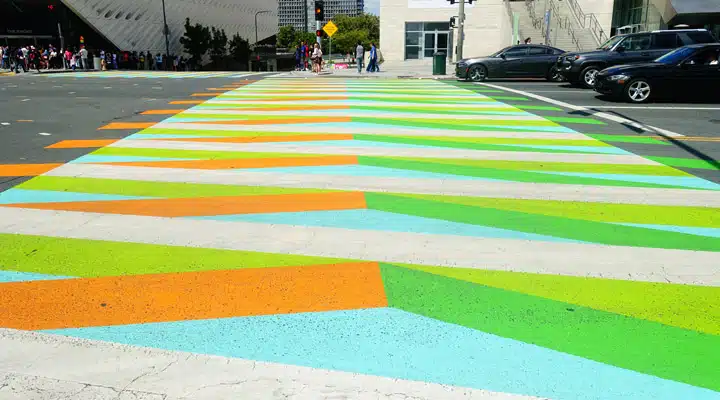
[[14, 276], [397, 344], [384, 221], [17, 196], [711, 232], [685, 181]]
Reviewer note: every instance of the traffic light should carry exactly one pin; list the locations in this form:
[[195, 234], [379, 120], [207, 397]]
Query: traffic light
[[319, 10], [452, 1], [318, 32], [51, 7], [452, 21], [470, 1]]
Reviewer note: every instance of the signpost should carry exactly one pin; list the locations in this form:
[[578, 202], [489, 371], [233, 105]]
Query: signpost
[[330, 28]]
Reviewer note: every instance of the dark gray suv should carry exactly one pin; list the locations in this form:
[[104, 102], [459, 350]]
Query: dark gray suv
[[581, 68]]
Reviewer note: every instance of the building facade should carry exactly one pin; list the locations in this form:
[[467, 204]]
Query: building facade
[[301, 13], [416, 29], [137, 25]]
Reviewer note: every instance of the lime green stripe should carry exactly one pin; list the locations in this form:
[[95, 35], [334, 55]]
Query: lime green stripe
[[687, 163], [152, 189], [626, 139], [448, 111], [583, 230], [643, 346], [540, 108], [197, 154], [504, 140], [576, 120], [601, 212], [509, 175], [684, 306], [659, 170], [92, 258]]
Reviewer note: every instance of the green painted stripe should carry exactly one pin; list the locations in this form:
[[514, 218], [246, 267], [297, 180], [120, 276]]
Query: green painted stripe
[[659, 170], [627, 139], [196, 154], [706, 217], [687, 163], [448, 111], [643, 346], [539, 108], [576, 120], [510, 98], [152, 189], [684, 306], [509, 175], [587, 231], [444, 122], [93, 258], [505, 140]]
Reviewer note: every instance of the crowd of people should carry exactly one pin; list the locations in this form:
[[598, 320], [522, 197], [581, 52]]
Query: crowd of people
[[27, 58], [310, 57]]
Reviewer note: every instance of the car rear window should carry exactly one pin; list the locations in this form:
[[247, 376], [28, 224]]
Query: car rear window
[[697, 37], [536, 51], [666, 40]]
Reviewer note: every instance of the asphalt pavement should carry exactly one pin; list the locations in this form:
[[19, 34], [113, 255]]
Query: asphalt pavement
[[37, 110]]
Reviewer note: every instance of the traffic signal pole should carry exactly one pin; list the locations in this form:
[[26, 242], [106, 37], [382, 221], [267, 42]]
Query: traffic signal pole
[[461, 30]]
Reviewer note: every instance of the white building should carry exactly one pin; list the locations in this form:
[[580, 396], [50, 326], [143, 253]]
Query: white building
[[416, 29]]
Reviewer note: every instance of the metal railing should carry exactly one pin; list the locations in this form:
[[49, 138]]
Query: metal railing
[[588, 21]]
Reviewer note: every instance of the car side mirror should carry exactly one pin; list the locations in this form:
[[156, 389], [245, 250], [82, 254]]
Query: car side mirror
[[503, 56], [620, 49]]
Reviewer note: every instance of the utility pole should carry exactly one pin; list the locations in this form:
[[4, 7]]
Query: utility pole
[[165, 31], [461, 30], [256, 28]]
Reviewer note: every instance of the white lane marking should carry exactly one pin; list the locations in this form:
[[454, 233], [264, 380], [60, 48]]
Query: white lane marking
[[599, 114], [562, 91], [25, 100], [107, 87], [657, 108], [157, 87], [71, 92], [44, 134], [4, 123]]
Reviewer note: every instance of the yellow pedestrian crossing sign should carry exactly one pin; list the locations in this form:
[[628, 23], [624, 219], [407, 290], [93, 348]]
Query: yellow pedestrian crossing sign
[[330, 28]]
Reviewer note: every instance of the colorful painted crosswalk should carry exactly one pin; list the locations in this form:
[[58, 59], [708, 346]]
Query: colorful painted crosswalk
[[413, 230]]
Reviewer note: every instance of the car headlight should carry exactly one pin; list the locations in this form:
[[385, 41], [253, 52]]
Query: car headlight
[[616, 78]]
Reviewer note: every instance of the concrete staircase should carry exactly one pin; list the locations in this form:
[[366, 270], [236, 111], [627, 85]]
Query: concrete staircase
[[566, 32]]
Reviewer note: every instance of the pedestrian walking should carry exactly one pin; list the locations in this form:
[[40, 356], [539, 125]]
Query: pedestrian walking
[[84, 58], [372, 59], [317, 58], [359, 56]]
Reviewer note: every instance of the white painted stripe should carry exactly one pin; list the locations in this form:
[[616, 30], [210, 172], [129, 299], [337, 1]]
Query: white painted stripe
[[599, 114], [424, 152], [656, 108], [615, 262], [361, 113], [38, 362], [448, 187]]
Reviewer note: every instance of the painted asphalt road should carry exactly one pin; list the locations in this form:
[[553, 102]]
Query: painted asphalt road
[[361, 238], [700, 122]]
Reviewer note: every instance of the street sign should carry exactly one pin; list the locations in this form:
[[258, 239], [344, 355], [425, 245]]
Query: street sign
[[330, 28]]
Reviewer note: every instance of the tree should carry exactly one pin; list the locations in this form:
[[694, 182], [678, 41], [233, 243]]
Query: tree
[[196, 41], [218, 46], [286, 37], [364, 28], [239, 49]]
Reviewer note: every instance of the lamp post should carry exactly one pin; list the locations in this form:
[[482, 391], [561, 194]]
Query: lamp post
[[165, 31], [256, 14]]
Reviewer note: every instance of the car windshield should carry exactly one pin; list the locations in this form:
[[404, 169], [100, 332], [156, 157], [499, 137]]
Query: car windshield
[[675, 56], [611, 43], [497, 53]]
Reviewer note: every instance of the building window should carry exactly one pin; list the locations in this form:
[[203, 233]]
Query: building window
[[423, 39]]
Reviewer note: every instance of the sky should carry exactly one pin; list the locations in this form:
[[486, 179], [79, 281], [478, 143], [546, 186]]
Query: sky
[[372, 7]]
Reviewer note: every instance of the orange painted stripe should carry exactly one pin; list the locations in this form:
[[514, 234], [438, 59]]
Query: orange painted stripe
[[162, 112], [187, 207], [206, 94], [300, 120], [263, 139], [246, 162], [178, 102], [81, 144], [122, 300], [127, 125], [26, 169]]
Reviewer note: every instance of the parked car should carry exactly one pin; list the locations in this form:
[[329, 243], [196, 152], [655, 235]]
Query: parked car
[[581, 68], [521, 61], [690, 71]]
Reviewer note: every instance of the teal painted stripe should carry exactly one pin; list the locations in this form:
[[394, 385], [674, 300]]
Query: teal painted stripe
[[575, 120]]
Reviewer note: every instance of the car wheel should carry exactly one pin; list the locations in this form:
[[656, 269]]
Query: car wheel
[[553, 75], [477, 73], [638, 91], [587, 76]]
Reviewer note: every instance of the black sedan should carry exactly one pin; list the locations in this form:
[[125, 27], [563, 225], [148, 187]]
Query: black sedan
[[690, 71], [521, 61]]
